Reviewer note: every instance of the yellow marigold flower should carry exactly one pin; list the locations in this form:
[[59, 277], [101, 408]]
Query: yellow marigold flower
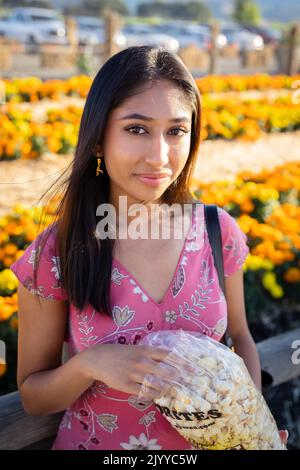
[[10, 286], [19, 254], [8, 277], [254, 263], [7, 260], [246, 222], [283, 245], [18, 230], [268, 280], [10, 249], [295, 238], [4, 237], [267, 264], [18, 208], [292, 275], [3, 222], [247, 206], [26, 147], [6, 312], [269, 283], [10, 148], [277, 292]]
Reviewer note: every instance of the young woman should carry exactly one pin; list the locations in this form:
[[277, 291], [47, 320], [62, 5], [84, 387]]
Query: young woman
[[141, 119]]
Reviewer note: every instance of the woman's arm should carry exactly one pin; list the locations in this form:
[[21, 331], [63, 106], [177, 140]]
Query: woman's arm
[[44, 384], [48, 387], [238, 330]]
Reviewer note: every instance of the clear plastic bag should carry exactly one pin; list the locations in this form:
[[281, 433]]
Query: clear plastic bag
[[211, 399]]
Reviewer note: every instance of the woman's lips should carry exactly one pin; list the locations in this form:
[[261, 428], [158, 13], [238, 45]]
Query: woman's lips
[[154, 180]]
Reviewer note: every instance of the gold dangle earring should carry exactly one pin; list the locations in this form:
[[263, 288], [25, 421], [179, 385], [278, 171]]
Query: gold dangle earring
[[98, 170]]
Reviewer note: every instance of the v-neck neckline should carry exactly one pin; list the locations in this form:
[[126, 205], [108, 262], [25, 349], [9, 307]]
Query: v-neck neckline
[[166, 295]]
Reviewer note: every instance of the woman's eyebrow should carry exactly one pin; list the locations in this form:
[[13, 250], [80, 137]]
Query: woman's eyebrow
[[147, 118]]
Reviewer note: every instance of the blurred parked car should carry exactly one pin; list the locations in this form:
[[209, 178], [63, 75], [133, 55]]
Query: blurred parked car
[[184, 36], [242, 40], [190, 34], [140, 34], [269, 35], [34, 25], [90, 30]]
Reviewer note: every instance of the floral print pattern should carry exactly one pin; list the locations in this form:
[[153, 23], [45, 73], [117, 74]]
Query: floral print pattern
[[105, 418], [140, 443]]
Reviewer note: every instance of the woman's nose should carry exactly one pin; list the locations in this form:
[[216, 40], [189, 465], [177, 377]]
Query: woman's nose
[[159, 151]]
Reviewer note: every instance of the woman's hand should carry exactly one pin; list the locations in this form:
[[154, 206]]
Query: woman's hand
[[123, 367], [284, 435]]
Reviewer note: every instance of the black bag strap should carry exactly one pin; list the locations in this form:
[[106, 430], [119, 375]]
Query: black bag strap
[[215, 239]]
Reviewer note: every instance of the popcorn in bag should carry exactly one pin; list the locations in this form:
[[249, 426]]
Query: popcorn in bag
[[212, 400]]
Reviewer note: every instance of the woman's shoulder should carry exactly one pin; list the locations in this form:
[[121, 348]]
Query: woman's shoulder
[[41, 258], [234, 242]]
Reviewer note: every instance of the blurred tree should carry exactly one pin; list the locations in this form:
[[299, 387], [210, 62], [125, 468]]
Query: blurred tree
[[156, 8], [27, 3], [247, 12], [197, 10], [193, 10], [96, 7]]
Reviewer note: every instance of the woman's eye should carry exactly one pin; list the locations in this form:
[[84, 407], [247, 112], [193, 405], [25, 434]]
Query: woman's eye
[[134, 128], [184, 131]]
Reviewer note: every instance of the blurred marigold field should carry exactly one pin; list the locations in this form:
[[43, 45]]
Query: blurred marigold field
[[32, 89], [27, 134]]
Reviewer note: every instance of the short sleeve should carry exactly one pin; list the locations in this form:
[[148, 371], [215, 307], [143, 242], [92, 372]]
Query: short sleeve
[[48, 283], [234, 242]]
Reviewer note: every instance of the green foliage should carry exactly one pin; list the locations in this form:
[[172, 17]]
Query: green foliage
[[247, 12], [27, 3], [97, 7], [194, 10], [83, 65]]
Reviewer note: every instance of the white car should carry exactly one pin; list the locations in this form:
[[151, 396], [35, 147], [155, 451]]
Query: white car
[[90, 30], [138, 35], [34, 26]]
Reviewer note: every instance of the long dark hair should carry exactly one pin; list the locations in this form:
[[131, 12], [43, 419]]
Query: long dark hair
[[85, 262]]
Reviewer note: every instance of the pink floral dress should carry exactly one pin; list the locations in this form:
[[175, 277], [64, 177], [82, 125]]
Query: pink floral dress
[[105, 418]]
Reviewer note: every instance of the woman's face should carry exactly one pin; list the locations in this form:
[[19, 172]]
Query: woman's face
[[153, 144]]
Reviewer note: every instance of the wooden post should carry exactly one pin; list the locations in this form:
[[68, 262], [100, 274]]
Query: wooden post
[[72, 31], [5, 55], [2, 101], [292, 62], [215, 29], [112, 24]]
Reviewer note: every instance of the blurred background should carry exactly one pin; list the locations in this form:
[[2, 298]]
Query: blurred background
[[215, 36], [245, 58]]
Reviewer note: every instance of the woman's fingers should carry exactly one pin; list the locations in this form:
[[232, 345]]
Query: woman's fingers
[[157, 354]]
